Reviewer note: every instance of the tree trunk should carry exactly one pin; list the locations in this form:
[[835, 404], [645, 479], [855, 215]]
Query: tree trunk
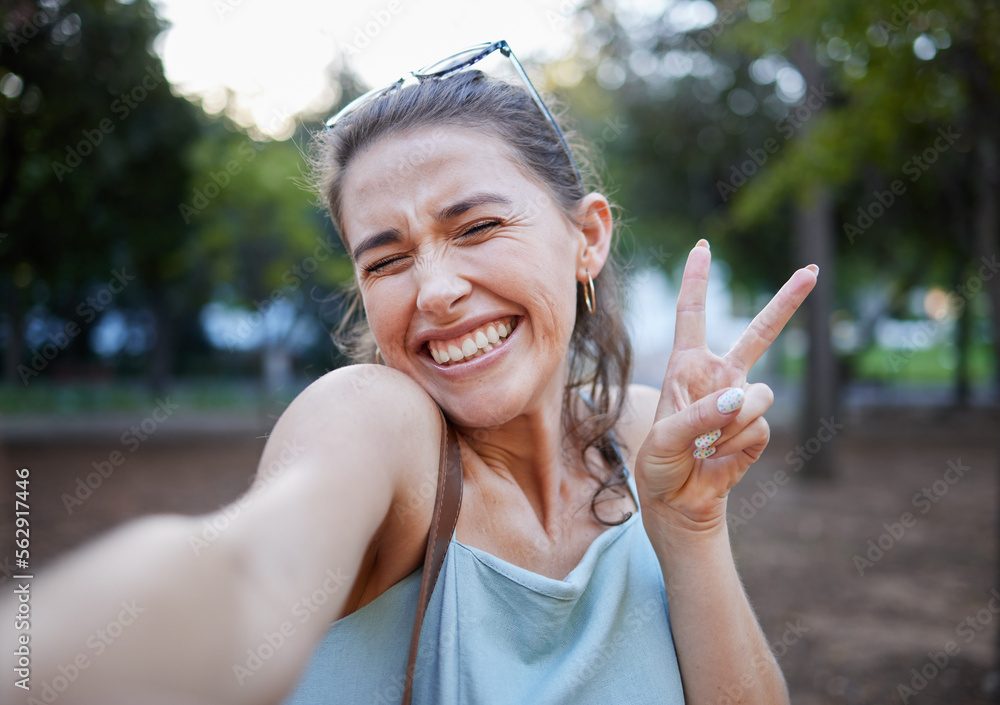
[[986, 230], [814, 233], [161, 361], [815, 224], [986, 226], [13, 151], [963, 340], [277, 367], [15, 341]]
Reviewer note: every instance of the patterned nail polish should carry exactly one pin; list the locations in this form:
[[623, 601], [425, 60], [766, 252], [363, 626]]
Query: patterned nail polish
[[707, 439], [730, 401], [703, 453]]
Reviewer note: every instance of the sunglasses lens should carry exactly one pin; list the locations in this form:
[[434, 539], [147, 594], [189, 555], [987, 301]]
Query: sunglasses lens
[[456, 61], [358, 102]]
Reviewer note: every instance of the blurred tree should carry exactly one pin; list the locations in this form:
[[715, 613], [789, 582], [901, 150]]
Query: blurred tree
[[118, 196], [269, 247], [914, 87], [749, 120], [91, 137]]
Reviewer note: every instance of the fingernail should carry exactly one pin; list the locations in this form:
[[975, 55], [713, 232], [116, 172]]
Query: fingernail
[[730, 401], [707, 439], [703, 453], [703, 243], [814, 269]]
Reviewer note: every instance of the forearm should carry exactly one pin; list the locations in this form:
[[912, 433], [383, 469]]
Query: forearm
[[722, 652], [228, 607], [138, 613], [215, 609]]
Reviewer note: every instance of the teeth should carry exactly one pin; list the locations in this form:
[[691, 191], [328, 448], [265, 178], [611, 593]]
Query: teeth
[[478, 343]]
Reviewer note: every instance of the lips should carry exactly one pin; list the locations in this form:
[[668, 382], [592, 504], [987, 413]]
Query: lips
[[472, 344]]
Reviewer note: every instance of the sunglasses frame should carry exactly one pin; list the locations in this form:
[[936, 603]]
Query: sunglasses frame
[[475, 54]]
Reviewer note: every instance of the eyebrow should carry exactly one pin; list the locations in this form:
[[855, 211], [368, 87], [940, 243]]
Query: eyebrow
[[386, 237], [393, 236], [467, 204]]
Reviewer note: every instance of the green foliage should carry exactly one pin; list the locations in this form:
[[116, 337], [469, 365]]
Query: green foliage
[[104, 170], [73, 399], [715, 149], [90, 132], [94, 112], [259, 231], [889, 102]]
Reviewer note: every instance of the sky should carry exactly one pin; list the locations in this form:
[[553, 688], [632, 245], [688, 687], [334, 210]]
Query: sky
[[274, 56]]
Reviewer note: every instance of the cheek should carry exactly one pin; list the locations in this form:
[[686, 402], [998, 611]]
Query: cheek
[[386, 315], [544, 278], [531, 274], [551, 298]]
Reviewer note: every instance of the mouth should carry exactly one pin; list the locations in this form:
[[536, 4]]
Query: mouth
[[475, 343]]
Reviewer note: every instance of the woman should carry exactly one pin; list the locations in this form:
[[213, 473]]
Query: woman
[[482, 264]]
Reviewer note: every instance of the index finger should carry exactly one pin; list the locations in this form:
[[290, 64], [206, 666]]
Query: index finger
[[765, 327], [689, 329]]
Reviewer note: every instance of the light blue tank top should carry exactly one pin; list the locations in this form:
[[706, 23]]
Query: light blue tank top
[[497, 633]]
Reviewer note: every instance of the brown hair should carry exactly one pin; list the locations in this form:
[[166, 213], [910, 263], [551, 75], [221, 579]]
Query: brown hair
[[600, 354]]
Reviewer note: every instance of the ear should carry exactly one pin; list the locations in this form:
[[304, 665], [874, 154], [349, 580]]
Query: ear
[[596, 228]]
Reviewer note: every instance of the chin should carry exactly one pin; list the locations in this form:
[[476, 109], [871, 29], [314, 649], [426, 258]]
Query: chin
[[482, 413], [487, 407]]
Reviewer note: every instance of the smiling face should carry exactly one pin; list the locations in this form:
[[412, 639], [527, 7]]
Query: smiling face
[[468, 270]]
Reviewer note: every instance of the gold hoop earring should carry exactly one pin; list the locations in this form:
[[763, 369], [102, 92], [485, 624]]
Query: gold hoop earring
[[589, 294], [378, 357]]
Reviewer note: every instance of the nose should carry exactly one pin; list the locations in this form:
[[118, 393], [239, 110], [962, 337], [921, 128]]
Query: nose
[[441, 288]]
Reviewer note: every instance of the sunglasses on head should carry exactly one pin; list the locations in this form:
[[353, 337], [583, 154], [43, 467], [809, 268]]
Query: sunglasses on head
[[452, 64]]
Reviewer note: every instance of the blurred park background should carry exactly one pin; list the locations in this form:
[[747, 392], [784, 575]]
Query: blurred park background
[[169, 284]]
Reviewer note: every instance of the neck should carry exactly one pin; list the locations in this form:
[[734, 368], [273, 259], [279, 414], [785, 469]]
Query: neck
[[529, 451]]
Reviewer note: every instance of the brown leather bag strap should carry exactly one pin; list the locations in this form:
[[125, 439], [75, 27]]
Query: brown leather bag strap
[[447, 502]]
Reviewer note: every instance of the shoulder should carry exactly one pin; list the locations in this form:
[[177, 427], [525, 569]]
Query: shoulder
[[368, 399], [360, 416], [637, 417], [365, 387], [371, 436]]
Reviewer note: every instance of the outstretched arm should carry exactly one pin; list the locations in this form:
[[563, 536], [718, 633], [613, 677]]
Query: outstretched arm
[[708, 429], [165, 611]]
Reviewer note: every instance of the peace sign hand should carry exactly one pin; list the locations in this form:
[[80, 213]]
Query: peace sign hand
[[709, 425]]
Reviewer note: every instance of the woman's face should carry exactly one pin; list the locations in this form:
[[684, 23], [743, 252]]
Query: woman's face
[[468, 270]]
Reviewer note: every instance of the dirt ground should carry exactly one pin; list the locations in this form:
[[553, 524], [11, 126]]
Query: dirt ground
[[842, 637]]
